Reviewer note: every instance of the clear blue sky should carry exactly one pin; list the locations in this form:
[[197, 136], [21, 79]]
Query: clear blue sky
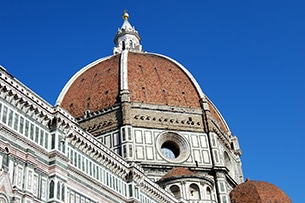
[[248, 57]]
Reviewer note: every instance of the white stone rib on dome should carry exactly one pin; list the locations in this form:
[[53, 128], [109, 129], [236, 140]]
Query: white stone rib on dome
[[219, 114], [124, 71], [198, 88]]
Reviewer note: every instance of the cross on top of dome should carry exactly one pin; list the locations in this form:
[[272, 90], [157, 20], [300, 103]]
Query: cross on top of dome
[[125, 15]]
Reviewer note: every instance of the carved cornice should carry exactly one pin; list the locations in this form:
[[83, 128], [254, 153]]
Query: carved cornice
[[189, 121], [89, 145], [223, 137], [18, 95], [89, 115]]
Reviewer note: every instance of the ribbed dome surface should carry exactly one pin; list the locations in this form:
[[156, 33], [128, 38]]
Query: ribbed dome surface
[[156, 80], [258, 192], [96, 88], [152, 79]]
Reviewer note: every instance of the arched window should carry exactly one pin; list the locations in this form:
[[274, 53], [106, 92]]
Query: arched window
[[58, 190], [130, 44], [175, 191], [228, 163], [194, 191], [227, 159], [51, 189], [123, 45], [209, 193], [5, 159], [62, 192]]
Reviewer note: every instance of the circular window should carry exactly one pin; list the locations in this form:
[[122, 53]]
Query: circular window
[[173, 147]]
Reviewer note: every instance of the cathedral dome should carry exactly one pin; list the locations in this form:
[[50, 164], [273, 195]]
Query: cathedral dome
[[134, 76], [258, 192], [150, 79]]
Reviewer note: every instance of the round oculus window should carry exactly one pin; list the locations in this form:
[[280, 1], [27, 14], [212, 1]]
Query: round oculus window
[[173, 147]]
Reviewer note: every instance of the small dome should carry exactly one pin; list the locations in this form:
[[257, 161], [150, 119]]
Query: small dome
[[178, 172], [258, 192]]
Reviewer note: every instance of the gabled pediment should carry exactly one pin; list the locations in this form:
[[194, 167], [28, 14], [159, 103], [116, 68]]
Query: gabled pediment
[[5, 184]]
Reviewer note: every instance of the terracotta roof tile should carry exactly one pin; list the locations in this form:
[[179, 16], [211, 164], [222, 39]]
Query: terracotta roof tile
[[258, 192], [178, 172]]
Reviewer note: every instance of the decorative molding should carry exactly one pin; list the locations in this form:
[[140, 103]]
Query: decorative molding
[[172, 121]]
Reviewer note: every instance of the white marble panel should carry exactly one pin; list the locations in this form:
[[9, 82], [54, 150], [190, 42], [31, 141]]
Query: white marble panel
[[139, 152], [203, 141], [197, 156], [138, 136], [148, 137], [149, 153], [206, 157], [116, 139], [194, 139], [108, 141]]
